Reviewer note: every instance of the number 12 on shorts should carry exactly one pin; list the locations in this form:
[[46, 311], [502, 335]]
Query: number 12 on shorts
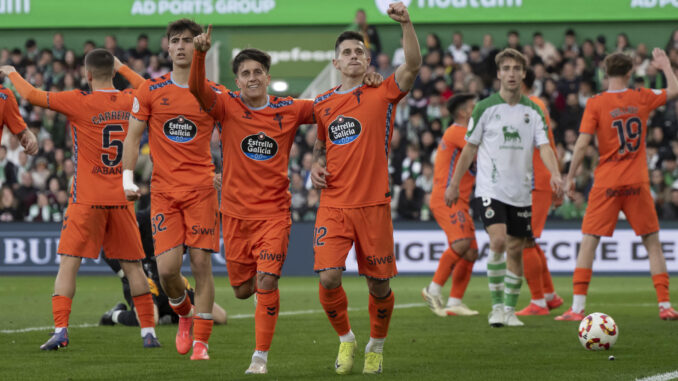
[[318, 234]]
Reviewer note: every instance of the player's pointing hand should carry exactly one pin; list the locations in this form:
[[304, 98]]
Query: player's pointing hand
[[398, 12], [203, 41]]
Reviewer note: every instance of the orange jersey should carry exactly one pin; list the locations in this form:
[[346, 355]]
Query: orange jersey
[[9, 112], [618, 119], [99, 122], [542, 176], [179, 135], [256, 145], [446, 160], [356, 126]]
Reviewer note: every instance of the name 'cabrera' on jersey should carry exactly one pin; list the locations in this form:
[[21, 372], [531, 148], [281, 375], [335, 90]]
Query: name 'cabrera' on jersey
[[506, 136], [356, 126]]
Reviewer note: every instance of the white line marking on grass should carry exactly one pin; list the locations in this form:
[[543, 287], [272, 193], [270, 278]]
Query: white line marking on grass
[[240, 316], [661, 377]]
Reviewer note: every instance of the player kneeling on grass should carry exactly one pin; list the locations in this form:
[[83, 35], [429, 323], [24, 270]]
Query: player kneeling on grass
[[618, 118], [503, 131], [257, 132], [455, 221], [355, 125], [98, 213]]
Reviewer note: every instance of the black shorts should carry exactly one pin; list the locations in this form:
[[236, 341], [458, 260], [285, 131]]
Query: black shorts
[[518, 219]]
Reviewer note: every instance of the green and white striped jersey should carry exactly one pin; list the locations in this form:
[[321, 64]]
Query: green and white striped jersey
[[506, 136]]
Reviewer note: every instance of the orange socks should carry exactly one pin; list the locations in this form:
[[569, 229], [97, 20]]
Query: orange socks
[[547, 282], [661, 285], [460, 278], [144, 306], [202, 328], [445, 265], [380, 315], [265, 317], [581, 280], [61, 310], [183, 308], [532, 267], [335, 304]]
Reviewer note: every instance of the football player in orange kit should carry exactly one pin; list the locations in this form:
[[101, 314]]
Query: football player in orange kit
[[455, 221], [257, 132], [535, 267], [184, 205], [98, 213], [618, 119], [355, 124]]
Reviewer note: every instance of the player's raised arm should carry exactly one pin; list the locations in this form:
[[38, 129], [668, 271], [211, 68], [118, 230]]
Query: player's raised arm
[[34, 96], [196, 80], [406, 73], [130, 155], [465, 159], [132, 77], [661, 61]]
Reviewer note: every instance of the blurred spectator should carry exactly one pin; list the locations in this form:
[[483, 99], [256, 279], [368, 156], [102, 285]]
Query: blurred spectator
[[411, 167], [40, 173], [369, 33], [410, 200], [425, 181], [669, 210], [513, 40], [32, 51], [111, 44], [573, 209], [458, 49], [8, 171], [58, 47], [545, 50], [399, 54], [154, 69], [623, 44], [43, 211], [140, 52], [9, 206], [570, 47], [384, 65], [673, 41]]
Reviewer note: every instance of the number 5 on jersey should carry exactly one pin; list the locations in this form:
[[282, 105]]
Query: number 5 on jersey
[[106, 158]]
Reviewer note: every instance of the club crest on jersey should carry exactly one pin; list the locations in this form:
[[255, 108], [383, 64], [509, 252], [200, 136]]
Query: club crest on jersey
[[259, 147], [527, 118], [344, 130], [180, 129]]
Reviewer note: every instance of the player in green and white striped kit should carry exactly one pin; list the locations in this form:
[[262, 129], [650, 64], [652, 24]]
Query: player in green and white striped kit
[[503, 131]]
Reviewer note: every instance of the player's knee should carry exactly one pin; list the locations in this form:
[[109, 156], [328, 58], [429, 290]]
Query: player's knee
[[498, 243], [378, 288], [267, 282], [243, 291], [329, 281]]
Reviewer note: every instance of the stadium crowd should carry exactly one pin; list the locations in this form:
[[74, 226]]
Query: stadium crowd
[[35, 188]]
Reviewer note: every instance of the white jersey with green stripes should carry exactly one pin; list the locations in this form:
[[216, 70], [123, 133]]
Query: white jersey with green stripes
[[506, 136]]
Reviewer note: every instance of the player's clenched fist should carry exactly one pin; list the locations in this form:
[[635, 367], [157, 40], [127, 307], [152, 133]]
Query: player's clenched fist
[[398, 12], [203, 42], [131, 190], [6, 69]]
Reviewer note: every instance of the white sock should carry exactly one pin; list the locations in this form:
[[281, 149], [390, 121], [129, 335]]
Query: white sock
[[261, 354], [347, 338], [146, 331], [549, 296], [434, 288], [578, 303], [540, 302], [375, 345], [59, 329], [495, 306], [509, 310], [665, 305], [116, 316], [451, 302]]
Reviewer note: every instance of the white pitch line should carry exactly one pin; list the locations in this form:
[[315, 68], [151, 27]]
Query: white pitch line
[[661, 377], [240, 316]]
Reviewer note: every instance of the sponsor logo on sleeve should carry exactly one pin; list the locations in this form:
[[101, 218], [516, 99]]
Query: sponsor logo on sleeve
[[259, 147], [180, 129], [344, 130]]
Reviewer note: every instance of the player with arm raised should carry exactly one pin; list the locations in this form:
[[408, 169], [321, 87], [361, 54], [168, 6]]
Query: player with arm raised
[[618, 118], [98, 213], [10, 117], [503, 131], [184, 205], [257, 132], [355, 124], [456, 220], [537, 274]]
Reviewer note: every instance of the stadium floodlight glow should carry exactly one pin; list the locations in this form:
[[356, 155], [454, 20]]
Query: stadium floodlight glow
[[279, 86]]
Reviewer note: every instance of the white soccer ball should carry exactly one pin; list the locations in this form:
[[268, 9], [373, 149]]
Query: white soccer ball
[[598, 332]]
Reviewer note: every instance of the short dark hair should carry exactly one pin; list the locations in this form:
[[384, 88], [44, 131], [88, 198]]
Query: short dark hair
[[30, 43], [181, 25], [529, 78], [513, 31], [142, 36], [618, 64], [570, 32], [457, 101], [537, 34], [251, 54], [348, 35], [100, 63]]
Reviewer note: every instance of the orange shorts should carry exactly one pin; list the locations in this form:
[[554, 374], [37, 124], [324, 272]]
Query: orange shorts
[[456, 222], [88, 228], [541, 205], [252, 246], [370, 228], [604, 205], [189, 218]]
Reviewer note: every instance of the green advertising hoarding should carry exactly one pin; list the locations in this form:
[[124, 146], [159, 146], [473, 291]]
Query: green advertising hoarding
[[147, 13]]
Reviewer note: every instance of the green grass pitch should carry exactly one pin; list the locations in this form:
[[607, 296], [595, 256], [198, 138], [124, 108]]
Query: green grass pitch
[[420, 346]]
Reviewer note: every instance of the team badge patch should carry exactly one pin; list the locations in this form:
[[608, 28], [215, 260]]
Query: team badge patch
[[259, 147], [344, 130], [489, 213], [527, 118], [180, 129], [135, 105]]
